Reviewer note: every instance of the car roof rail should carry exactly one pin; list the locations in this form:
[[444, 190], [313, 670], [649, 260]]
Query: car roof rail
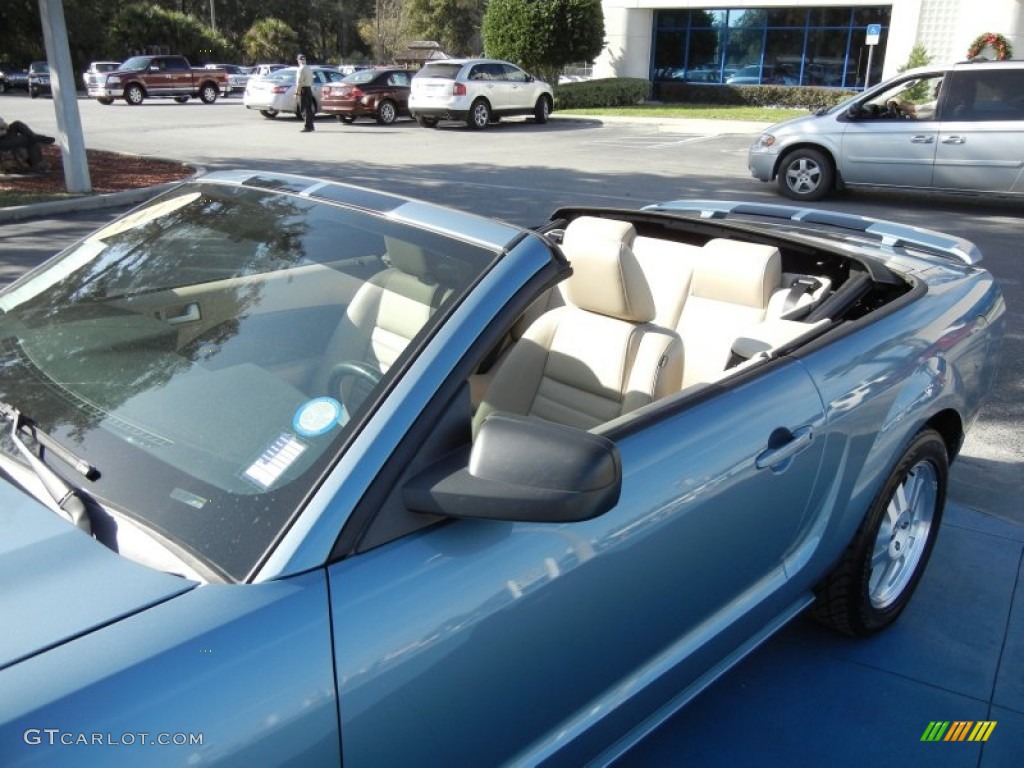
[[889, 233]]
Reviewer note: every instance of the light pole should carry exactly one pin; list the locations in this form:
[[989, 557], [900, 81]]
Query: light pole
[[213, 16]]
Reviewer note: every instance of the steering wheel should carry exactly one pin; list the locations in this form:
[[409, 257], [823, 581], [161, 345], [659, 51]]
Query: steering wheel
[[348, 369], [893, 108]]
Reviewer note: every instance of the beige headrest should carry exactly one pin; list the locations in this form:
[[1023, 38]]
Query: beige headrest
[[586, 227], [406, 256], [737, 272], [607, 279]]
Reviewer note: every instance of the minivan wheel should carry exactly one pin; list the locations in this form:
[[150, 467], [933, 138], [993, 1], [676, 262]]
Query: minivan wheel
[[270, 114], [805, 174], [479, 115], [881, 568]]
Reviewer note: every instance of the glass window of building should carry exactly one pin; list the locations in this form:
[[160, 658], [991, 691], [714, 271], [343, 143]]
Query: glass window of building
[[823, 46]]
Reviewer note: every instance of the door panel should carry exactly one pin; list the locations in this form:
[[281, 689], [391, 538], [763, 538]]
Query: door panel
[[478, 642], [889, 151], [981, 142]]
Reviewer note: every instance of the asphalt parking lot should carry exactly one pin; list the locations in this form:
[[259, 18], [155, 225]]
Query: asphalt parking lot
[[807, 696]]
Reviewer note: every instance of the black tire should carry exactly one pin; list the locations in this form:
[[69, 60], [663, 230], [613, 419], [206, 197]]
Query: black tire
[[542, 110], [806, 174], [181, 99], [270, 114], [873, 582], [479, 115], [387, 112], [346, 119], [3, 86], [208, 93], [33, 93], [105, 101], [427, 122], [134, 94]]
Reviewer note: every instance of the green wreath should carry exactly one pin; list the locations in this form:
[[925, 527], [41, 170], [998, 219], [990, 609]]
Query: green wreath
[[992, 40]]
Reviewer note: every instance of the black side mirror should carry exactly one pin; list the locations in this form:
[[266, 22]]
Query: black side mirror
[[523, 470]]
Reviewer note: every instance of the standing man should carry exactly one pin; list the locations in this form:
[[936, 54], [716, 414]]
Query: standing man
[[304, 93]]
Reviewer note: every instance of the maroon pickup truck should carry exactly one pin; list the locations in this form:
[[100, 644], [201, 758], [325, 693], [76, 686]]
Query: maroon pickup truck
[[154, 77]]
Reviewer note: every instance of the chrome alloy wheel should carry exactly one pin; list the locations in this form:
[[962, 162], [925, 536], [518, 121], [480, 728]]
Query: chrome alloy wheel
[[902, 535], [803, 176]]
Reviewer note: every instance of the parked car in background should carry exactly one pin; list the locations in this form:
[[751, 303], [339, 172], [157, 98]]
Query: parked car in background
[[769, 74], [274, 94], [957, 128], [38, 79], [237, 76], [296, 473], [382, 94], [478, 92], [262, 70], [95, 73], [13, 77], [148, 77]]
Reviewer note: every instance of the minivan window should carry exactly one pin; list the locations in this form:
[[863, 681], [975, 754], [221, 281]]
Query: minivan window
[[981, 95]]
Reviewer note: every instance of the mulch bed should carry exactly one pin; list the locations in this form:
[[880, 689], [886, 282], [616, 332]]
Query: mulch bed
[[108, 172]]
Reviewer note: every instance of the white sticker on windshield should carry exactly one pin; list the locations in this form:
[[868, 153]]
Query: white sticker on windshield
[[315, 417], [275, 460]]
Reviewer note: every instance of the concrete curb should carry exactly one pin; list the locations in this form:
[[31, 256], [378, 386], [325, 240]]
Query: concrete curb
[[89, 202], [674, 124]]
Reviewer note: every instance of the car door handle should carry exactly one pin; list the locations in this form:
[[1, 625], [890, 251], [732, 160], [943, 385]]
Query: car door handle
[[922, 140], [189, 313], [955, 140], [772, 457]]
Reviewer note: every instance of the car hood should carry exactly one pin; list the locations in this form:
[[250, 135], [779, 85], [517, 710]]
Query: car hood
[[59, 583]]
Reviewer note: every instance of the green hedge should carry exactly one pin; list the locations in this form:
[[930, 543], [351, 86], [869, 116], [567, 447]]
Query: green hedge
[[606, 92], [800, 97]]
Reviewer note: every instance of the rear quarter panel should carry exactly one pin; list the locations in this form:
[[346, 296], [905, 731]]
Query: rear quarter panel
[[929, 360]]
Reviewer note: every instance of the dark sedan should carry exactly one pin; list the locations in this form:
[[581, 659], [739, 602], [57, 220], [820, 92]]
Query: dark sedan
[[382, 94]]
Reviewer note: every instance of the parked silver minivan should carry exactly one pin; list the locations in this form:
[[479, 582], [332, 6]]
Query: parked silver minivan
[[957, 128]]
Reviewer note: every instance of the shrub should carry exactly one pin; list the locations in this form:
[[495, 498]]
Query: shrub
[[799, 97], [606, 92]]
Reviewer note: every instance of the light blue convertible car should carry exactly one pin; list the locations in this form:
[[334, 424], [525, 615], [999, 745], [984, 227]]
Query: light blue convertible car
[[299, 473]]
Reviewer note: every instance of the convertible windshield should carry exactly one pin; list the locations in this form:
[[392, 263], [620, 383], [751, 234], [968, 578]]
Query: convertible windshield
[[214, 350]]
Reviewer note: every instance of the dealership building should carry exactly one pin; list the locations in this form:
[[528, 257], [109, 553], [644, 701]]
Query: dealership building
[[794, 43]]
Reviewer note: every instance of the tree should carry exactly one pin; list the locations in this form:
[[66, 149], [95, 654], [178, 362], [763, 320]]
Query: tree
[[919, 57], [151, 29], [270, 40], [544, 36], [455, 24], [385, 29]]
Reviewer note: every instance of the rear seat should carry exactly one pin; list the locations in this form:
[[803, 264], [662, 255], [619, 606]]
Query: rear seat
[[728, 299], [668, 266]]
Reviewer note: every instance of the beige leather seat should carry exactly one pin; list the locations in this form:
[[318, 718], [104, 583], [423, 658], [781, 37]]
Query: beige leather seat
[[598, 356], [384, 315], [668, 266], [732, 285]]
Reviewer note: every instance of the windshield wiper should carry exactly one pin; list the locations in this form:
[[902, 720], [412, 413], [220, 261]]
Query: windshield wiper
[[67, 498]]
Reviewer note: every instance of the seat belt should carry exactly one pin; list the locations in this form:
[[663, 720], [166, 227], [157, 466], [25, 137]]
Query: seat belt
[[798, 288]]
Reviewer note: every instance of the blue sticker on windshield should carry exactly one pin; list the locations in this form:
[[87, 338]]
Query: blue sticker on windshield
[[316, 417]]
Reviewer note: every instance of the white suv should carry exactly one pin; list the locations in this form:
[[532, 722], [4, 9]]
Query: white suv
[[477, 91]]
